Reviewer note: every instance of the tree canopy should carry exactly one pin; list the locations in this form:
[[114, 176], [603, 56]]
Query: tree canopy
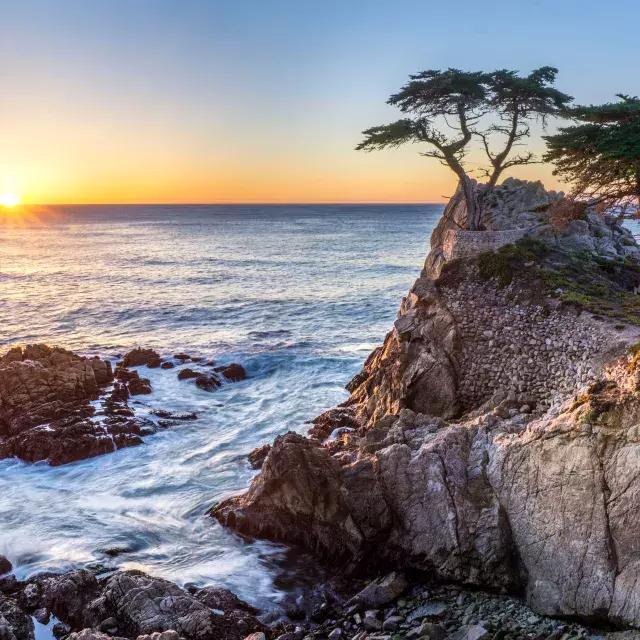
[[446, 110], [600, 155]]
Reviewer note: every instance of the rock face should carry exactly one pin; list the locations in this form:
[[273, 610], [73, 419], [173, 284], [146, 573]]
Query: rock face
[[128, 604], [493, 438]]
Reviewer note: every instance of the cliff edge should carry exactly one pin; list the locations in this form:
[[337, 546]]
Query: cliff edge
[[494, 438]]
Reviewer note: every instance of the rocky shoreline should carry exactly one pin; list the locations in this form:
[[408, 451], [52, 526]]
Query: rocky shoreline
[[479, 482], [59, 407]]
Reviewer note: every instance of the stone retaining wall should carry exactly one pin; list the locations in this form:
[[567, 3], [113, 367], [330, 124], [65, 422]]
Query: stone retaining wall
[[522, 347], [458, 243]]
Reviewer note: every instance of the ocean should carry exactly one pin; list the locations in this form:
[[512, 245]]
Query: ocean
[[298, 294]]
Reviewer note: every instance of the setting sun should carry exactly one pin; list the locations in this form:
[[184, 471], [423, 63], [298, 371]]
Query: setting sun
[[8, 199]]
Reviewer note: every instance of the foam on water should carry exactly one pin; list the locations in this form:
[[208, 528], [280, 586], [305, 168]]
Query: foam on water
[[298, 294]]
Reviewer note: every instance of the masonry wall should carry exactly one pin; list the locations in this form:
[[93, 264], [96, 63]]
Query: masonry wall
[[523, 347], [458, 243]]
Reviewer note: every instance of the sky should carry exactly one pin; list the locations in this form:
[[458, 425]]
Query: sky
[[184, 101]]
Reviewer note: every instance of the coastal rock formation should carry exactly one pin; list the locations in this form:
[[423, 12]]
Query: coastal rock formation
[[127, 604], [47, 411], [493, 438]]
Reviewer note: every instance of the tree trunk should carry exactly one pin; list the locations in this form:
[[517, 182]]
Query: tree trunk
[[473, 208]]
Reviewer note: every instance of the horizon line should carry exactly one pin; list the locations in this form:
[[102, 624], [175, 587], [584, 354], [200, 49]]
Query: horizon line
[[212, 204]]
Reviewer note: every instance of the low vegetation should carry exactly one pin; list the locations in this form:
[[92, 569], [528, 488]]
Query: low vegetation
[[603, 286]]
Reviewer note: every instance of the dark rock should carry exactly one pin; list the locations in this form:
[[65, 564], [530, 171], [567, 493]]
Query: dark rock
[[40, 383], [5, 565], [258, 456], [186, 374], [382, 591], [167, 364], [332, 419], [14, 623], [69, 439], [234, 372], [207, 382], [182, 356], [139, 386], [171, 415], [139, 356], [142, 605], [305, 505]]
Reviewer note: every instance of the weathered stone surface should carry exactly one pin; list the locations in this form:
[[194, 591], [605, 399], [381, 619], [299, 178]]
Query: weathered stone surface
[[234, 372], [258, 456], [132, 604], [5, 565], [139, 356], [382, 591], [40, 383], [478, 451]]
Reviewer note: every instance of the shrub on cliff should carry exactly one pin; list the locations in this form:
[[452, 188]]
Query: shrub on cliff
[[449, 109]]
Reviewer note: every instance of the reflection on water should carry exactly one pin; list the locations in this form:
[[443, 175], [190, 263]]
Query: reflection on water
[[299, 295]]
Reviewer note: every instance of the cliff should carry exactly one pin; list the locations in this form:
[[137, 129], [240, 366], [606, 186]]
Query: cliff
[[493, 439]]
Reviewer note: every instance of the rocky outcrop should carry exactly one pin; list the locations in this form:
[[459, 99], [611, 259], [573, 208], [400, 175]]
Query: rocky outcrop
[[139, 356], [492, 439], [127, 604]]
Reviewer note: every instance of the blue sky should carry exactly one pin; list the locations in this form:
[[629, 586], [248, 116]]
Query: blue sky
[[248, 101]]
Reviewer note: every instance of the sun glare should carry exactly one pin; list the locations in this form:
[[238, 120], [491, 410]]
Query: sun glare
[[8, 199]]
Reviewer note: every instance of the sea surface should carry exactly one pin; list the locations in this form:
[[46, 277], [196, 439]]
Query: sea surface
[[298, 294]]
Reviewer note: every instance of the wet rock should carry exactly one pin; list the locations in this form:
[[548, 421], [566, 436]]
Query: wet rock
[[167, 364], [175, 415], [69, 439], [332, 419], [183, 357], [305, 505], [207, 382], [186, 374], [139, 386], [382, 591], [234, 372], [40, 384], [139, 357], [5, 565], [144, 605], [433, 609], [14, 623], [258, 456]]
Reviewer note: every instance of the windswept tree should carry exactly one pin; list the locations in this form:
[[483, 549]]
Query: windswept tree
[[447, 110], [600, 155]]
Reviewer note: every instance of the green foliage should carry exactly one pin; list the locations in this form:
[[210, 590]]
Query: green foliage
[[510, 260], [601, 155], [604, 287], [445, 110]]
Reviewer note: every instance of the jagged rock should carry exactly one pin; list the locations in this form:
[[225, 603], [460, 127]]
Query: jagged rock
[[167, 364], [305, 505], [138, 385], [40, 383], [382, 591], [258, 456], [138, 357], [473, 458], [5, 565], [186, 374], [207, 382], [132, 604], [234, 372], [14, 623]]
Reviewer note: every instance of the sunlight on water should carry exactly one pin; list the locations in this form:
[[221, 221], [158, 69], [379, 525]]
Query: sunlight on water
[[299, 295]]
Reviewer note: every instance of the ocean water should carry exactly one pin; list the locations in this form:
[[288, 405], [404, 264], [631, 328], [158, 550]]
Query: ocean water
[[298, 294]]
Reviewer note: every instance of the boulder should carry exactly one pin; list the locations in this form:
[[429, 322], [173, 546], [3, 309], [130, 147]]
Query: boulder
[[258, 456], [5, 565], [207, 382], [382, 591], [187, 373], [138, 357], [15, 624], [40, 383], [234, 372]]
